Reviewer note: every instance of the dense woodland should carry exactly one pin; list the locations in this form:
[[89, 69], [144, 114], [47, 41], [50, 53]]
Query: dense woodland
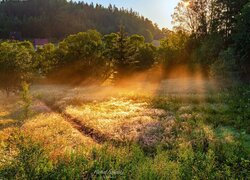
[[218, 35], [56, 19], [211, 35]]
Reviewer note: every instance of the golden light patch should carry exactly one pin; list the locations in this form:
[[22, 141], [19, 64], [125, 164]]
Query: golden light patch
[[116, 118], [57, 135]]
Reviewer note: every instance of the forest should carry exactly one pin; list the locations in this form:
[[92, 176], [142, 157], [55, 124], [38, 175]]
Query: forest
[[101, 100], [56, 19]]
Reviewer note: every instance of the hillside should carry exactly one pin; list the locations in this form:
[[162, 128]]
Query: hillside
[[59, 18]]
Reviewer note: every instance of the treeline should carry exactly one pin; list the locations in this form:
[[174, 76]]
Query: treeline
[[213, 34], [83, 58], [56, 19]]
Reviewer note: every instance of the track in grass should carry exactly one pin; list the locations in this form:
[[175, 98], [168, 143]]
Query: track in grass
[[82, 128]]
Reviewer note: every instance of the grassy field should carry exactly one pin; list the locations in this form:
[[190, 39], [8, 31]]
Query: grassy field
[[176, 129]]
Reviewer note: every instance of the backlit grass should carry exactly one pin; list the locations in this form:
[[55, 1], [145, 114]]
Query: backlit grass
[[169, 135]]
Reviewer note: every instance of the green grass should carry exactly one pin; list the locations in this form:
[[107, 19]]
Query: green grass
[[200, 136], [231, 107], [221, 160]]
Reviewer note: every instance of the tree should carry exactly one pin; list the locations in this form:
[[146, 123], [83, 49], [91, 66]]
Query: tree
[[242, 41], [80, 59], [134, 43], [208, 50], [16, 64], [121, 53], [172, 49], [211, 25], [82, 46], [128, 54], [192, 16], [46, 59], [202, 17], [59, 18], [225, 15], [146, 57], [141, 54]]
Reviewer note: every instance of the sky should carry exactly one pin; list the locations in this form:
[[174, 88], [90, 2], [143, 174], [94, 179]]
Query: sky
[[159, 11]]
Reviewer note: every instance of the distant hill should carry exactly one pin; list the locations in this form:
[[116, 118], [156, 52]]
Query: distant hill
[[56, 19]]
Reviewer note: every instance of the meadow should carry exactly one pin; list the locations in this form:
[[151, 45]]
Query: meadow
[[89, 91], [176, 129]]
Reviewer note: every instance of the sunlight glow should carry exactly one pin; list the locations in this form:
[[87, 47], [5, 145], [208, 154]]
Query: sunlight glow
[[186, 4]]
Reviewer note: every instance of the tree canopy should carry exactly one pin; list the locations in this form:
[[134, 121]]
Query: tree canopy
[[218, 33], [57, 19]]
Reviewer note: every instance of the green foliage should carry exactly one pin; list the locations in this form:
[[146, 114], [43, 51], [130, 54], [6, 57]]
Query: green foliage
[[121, 49], [31, 161], [121, 53], [214, 26], [146, 57], [46, 59], [59, 18], [83, 58], [16, 64], [173, 49], [228, 108], [225, 13], [80, 58], [205, 17], [225, 68], [81, 46], [242, 41], [222, 160], [128, 54], [141, 55], [72, 166], [209, 50]]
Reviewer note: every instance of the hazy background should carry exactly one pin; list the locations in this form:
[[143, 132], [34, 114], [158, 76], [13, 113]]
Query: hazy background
[[159, 11]]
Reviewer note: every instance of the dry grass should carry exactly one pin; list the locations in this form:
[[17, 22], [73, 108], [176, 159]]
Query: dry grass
[[8, 111], [119, 114], [117, 118], [124, 113], [47, 128], [174, 121], [50, 130], [56, 135]]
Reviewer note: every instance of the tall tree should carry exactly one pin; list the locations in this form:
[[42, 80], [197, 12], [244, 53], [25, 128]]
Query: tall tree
[[226, 12], [242, 41], [192, 16]]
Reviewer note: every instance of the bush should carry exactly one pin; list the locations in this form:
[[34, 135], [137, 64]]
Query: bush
[[225, 68]]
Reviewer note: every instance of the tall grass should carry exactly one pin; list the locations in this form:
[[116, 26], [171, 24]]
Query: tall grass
[[209, 140], [221, 160]]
